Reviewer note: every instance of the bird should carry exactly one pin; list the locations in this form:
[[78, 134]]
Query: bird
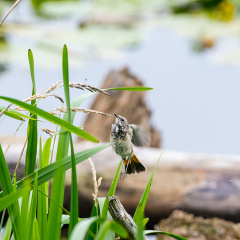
[[123, 136]]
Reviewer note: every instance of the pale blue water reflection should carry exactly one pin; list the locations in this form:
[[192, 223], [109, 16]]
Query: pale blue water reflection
[[195, 102]]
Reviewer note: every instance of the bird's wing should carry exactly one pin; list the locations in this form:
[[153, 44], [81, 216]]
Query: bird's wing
[[140, 138]]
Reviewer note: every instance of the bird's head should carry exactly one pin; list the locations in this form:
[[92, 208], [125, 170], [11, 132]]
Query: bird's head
[[121, 122]]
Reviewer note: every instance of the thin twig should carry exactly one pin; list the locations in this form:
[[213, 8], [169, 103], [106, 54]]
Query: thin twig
[[5, 109], [14, 5], [19, 160], [13, 138]]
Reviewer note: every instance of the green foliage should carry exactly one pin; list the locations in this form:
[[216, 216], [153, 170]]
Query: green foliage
[[143, 200], [62, 123], [41, 215], [74, 188], [164, 233], [12, 198], [31, 152], [41, 221], [14, 114], [7, 189], [111, 190], [140, 226]]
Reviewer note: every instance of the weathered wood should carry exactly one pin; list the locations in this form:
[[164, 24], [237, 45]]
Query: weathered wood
[[132, 106], [204, 184], [120, 215]]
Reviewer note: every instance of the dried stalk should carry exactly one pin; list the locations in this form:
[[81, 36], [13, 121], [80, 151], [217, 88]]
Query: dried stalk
[[53, 87], [34, 97], [96, 183], [39, 96], [5, 109], [19, 109], [19, 160], [76, 109], [49, 131], [83, 86], [14, 5]]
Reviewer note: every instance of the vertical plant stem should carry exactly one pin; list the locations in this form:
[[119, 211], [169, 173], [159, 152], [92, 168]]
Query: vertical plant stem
[[7, 188], [31, 153], [74, 188]]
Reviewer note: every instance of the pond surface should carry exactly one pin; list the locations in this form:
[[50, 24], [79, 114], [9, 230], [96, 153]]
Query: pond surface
[[195, 101]]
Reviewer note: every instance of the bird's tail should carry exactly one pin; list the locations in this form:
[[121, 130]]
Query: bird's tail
[[133, 165]]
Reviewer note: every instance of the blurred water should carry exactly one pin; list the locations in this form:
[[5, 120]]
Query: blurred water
[[195, 102]]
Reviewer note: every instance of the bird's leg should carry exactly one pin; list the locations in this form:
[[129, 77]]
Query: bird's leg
[[124, 169], [128, 160]]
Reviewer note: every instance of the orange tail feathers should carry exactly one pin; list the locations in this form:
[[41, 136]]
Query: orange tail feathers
[[133, 165]]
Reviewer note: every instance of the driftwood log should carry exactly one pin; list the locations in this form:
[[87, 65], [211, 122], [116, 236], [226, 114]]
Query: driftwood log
[[206, 185], [120, 215]]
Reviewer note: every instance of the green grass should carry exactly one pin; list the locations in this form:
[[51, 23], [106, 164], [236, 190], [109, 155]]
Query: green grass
[[34, 213]]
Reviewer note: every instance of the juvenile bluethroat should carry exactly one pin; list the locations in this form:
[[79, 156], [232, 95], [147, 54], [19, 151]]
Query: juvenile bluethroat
[[122, 138]]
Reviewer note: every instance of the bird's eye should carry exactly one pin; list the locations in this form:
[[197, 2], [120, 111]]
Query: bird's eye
[[122, 119]]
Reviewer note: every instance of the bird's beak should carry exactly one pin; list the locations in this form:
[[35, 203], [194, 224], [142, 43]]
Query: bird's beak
[[117, 118]]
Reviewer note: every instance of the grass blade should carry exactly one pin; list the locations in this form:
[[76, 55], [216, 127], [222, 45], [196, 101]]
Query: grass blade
[[115, 181], [66, 80], [56, 205], [31, 153], [105, 215], [55, 212], [42, 203], [165, 233], [81, 228], [74, 188], [14, 114], [143, 200], [7, 188], [47, 173], [41, 113], [2, 218], [36, 235], [139, 222], [109, 228], [119, 229], [31, 64], [32, 212], [12, 198], [8, 230], [94, 226], [111, 190], [45, 163], [74, 192], [131, 88], [104, 228], [25, 210], [59, 181]]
